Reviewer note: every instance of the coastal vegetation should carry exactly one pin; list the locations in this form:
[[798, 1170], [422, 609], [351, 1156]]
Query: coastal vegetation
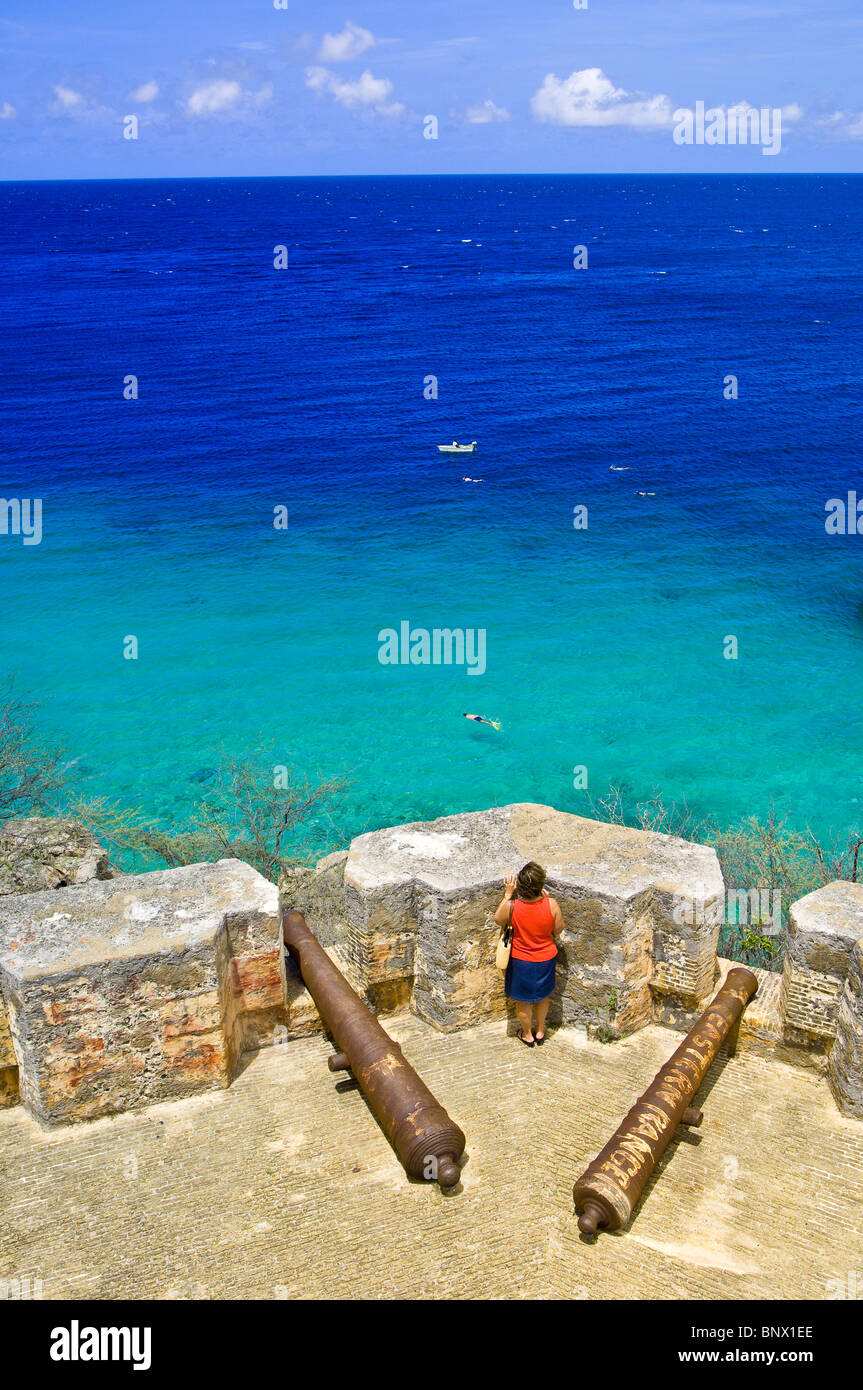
[[33, 774], [280, 820], [761, 856], [251, 810]]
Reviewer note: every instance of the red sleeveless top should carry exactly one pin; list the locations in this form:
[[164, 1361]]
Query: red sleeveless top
[[532, 925]]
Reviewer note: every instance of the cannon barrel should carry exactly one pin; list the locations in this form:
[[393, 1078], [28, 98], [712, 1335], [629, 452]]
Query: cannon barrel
[[606, 1193], [427, 1141]]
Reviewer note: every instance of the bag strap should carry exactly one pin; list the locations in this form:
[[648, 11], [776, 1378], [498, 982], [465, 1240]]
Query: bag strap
[[508, 926]]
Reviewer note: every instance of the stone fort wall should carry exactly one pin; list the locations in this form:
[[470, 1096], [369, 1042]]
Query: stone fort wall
[[115, 992]]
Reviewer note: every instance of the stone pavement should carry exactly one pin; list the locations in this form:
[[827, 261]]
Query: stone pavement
[[284, 1187]]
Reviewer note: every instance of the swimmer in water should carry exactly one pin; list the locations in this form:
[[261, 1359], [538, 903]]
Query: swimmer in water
[[478, 719]]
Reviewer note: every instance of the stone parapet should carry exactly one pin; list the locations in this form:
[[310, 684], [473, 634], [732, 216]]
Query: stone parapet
[[845, 1068], [641, 913], [117, 992], [37, 853], [824, 928], [139, 989]]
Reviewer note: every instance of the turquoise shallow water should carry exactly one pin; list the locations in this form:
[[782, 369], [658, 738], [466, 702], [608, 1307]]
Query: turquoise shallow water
[[305, 388]]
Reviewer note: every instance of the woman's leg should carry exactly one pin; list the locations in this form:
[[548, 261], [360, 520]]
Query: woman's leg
[[524, 1012], [541, 1009]]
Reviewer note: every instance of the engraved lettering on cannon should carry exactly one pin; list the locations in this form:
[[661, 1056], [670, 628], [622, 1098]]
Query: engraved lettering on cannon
[[632, 1153]]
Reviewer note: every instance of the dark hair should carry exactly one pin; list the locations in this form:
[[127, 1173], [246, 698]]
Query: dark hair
[[530, 881]]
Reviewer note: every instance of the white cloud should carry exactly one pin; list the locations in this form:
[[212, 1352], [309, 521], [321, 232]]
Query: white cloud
[[589, 98], [147, 92], [485, 113], [366, 93], [213, 97], [221, 95], [77, 106], [350, 43], [67, 99], [846, 125], [7, 112]]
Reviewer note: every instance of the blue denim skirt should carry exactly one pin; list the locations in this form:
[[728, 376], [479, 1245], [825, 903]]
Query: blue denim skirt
[[529, 981]]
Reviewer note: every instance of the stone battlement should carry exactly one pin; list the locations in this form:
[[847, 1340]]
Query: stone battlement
[[138, 989], [418, 899], [120, 992], [407, 914]]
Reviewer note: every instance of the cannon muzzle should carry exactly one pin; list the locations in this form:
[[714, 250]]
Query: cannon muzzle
[[427, 1141], [606, 1193]]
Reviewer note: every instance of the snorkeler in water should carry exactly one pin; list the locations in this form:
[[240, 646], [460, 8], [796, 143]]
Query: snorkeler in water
[[478, 719]]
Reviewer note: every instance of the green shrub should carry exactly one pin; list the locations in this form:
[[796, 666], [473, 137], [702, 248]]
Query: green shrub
[[248, 813], [767, 854]]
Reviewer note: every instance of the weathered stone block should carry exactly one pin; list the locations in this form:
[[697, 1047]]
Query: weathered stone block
[[845, 1067], [143, 988], [641, 911], [380, 915], [824, 928], [687, 913], [457, 983], [319, 894], [41, 852]]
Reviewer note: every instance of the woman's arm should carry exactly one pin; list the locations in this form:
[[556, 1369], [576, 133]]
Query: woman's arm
[[557, 915], [501, 917]]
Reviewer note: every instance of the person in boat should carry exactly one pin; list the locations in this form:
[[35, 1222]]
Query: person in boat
[[536, 919], [478, 719]]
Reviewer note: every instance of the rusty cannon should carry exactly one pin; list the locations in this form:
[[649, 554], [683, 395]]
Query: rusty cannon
[[427, 1141], [606, 1193]]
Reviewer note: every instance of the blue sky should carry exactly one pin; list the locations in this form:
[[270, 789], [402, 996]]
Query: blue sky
[[345, 86]]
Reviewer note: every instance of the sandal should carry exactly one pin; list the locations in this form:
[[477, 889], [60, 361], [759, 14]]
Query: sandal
[[539, 1041], [524, 1040]]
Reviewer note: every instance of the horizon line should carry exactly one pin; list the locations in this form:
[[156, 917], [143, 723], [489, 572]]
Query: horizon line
[[463, 174]]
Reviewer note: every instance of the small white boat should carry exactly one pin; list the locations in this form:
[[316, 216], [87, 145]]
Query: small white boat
[[456, 448]]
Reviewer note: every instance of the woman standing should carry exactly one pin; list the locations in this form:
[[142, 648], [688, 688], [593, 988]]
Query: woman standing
[[535, 919]]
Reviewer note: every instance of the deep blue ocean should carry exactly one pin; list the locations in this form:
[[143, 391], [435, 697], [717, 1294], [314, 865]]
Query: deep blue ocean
[[304, 388]]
